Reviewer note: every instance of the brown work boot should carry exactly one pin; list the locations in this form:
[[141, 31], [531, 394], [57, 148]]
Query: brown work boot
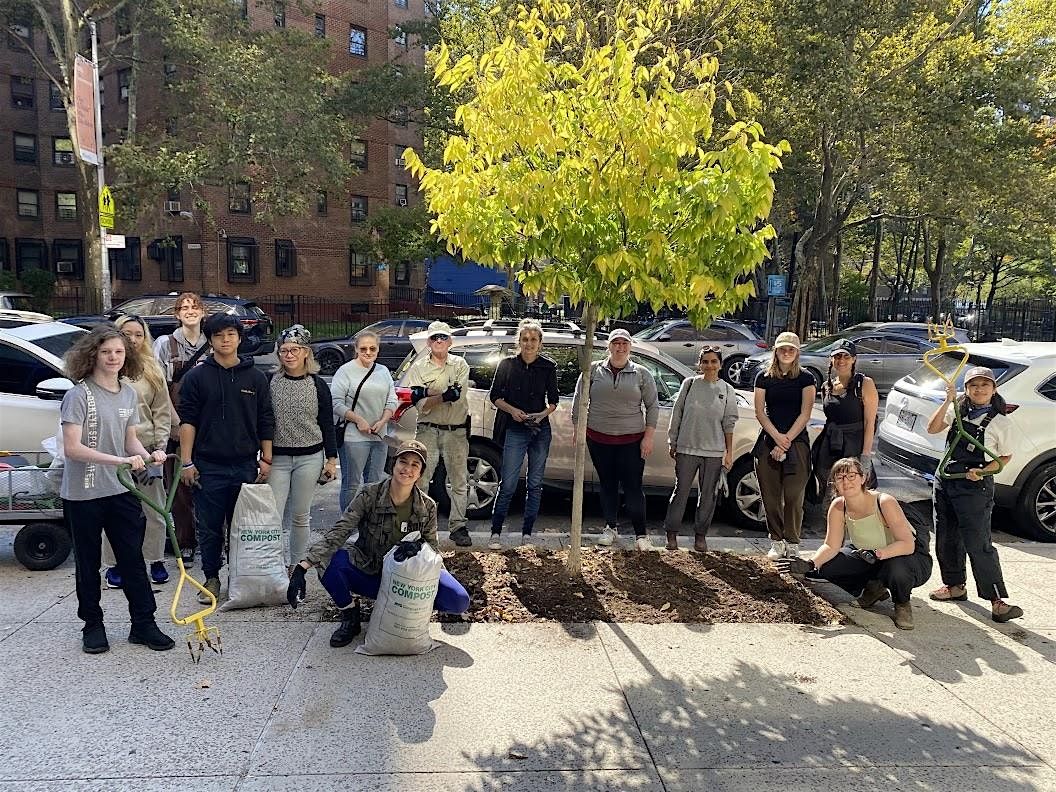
[[874, 592], [700, 543], [672, 540], [903, 617], [1002, 612]]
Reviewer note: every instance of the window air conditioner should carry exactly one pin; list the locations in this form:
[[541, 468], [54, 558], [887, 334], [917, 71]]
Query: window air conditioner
[[64, 267], [172, 206], [401, 201], [65, 158], [398, 162]]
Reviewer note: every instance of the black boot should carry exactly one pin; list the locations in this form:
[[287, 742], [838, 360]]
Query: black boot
[[349, 628]]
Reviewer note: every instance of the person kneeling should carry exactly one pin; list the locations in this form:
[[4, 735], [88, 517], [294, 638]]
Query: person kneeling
[[883, 555], [383, 513]]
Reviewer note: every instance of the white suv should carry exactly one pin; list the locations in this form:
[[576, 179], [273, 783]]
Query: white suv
[[1026, 378]]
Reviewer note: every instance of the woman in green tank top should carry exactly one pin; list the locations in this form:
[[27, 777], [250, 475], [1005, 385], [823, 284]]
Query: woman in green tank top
[[870, 549]]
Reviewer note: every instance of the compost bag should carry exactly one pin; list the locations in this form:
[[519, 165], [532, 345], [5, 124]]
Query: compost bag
[[256, 569], [399, 623]]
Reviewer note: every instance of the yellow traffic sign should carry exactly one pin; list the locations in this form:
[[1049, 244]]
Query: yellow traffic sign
[[107, 208]]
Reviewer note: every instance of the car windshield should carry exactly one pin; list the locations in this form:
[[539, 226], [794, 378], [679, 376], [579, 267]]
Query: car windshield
[[650, 333], [926, 379], [59, 343], [823, 344], [19, 302]]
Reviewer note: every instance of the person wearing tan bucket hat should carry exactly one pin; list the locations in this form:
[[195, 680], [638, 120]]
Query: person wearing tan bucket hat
[[784, 396]]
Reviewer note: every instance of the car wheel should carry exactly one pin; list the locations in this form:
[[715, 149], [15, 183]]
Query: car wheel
[[816, 375], [42, 545], [731, 369], [1037, 504], [330, 360], [484, 469], [744, 505]]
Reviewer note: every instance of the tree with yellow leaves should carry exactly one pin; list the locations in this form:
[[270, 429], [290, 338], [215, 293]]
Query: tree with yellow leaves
[[587, 150]]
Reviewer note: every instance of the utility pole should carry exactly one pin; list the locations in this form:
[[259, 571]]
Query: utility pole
[[107, 295]]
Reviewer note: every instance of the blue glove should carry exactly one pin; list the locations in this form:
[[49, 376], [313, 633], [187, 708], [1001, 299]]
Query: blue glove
[[453, 393], [418, 392]]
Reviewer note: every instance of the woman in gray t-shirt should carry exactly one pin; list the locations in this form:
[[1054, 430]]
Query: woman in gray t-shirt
[[99, 417]]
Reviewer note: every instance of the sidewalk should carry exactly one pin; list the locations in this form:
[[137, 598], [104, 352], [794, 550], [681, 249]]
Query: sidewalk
[[959, 703]]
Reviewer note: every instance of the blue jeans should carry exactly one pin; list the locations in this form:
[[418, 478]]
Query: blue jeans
[[342, 580], [361, 463], [214, 504], [520, 441], [293, 480]]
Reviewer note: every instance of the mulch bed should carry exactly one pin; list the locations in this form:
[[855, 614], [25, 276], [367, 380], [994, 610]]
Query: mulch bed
[[530, 584]]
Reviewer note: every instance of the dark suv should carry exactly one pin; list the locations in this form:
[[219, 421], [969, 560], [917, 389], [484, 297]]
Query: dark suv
[[156, 311]]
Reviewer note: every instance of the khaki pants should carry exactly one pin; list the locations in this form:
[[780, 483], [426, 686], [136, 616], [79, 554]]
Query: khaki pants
[[453, 447], [783, 493]]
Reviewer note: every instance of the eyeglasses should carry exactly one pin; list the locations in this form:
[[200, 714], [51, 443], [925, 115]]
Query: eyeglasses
[[367, 349], [439, 338], [849, 475], [290, 351]]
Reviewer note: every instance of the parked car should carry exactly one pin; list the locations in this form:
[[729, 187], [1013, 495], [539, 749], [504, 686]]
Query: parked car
[[1026, 378], [484, 348], [32, 382], [682, 341], [915, 329], [884, 356], [156, 311], [19, 305], [395, 342]]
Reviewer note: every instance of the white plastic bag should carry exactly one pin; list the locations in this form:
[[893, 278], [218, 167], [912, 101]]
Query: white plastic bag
[[256, 569], [399, 623], [54, 447]]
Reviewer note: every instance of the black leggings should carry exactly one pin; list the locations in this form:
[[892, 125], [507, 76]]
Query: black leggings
[[616, 465], [900, 574]]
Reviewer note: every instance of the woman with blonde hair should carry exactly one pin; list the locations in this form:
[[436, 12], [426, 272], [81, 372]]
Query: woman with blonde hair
[[99, 417], [155, 422], [784, 397]]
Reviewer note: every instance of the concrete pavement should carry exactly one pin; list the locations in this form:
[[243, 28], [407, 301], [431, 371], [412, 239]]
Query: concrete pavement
[[959, 703]]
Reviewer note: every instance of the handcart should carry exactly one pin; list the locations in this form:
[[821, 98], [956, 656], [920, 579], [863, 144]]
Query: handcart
[[28, 497]]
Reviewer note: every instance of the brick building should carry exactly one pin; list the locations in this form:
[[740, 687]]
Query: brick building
[[233, 254]]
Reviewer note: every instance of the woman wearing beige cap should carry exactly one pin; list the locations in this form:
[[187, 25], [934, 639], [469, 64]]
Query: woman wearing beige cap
[[963, 505], [784, 396]]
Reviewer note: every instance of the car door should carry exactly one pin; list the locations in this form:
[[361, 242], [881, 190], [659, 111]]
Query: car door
[[901, 357], [870, 357], [682, 341], [560, 464], [392, 343], [659, 467], [27, 419]]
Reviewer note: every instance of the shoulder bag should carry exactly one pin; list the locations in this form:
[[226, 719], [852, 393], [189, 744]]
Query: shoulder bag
[[341, 425]]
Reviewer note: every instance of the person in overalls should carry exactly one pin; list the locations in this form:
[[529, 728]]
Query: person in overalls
[[963, 505]]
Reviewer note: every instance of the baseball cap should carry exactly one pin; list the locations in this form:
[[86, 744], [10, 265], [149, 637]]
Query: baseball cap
[[413, 447], [619, 332], [844, 345], [787, 339], [977, 372], [439, 328]]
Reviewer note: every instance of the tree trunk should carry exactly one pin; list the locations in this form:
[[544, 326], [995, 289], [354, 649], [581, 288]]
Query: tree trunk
[[575, 539], [874, 273], [995, 273], [834, 300]]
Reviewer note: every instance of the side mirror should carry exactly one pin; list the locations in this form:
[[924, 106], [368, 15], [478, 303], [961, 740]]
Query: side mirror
[[53, 389]]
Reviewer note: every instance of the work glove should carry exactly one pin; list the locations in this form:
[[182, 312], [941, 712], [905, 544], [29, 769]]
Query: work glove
[[418, 392], [797, 567], [868, 556], [453, 393], [297, 588], [408, 548], [722, 486]]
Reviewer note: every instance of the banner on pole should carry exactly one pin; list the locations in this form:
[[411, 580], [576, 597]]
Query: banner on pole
[[84, 105]]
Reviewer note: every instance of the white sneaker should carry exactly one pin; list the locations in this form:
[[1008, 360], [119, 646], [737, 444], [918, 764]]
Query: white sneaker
[[643, 544], [791, 550], [607, 537], [527, 539], [495, 544], [777, 550]]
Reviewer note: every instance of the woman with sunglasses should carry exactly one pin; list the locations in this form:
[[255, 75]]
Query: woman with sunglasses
[[364, 399], [304, 451], [700, 440], [850, 402], [871, 550]]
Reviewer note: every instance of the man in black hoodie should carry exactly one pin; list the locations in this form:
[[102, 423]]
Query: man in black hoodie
[[226, 419]]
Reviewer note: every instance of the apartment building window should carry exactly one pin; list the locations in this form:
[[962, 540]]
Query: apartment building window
[[22, 92], [5, 262], [359, 154], [357, 41], [401, 274], [320, 26], [123, 21], [30, 254], [169, 253], [66, 205], [62, 151], [359, 208], [279, 9], [238, 198], [169, 73], [28, 204], [241, 260], [55, 97], [172, 126], [242, 6], [69, 257], [320, 202], [401, 116], [400, 3], [285, 258], [401, 194], [25, 148], [124, 80], [125, 262], [360, 268]]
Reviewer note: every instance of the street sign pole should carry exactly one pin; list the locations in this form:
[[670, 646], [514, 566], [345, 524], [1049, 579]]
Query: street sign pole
[[104, 275]]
